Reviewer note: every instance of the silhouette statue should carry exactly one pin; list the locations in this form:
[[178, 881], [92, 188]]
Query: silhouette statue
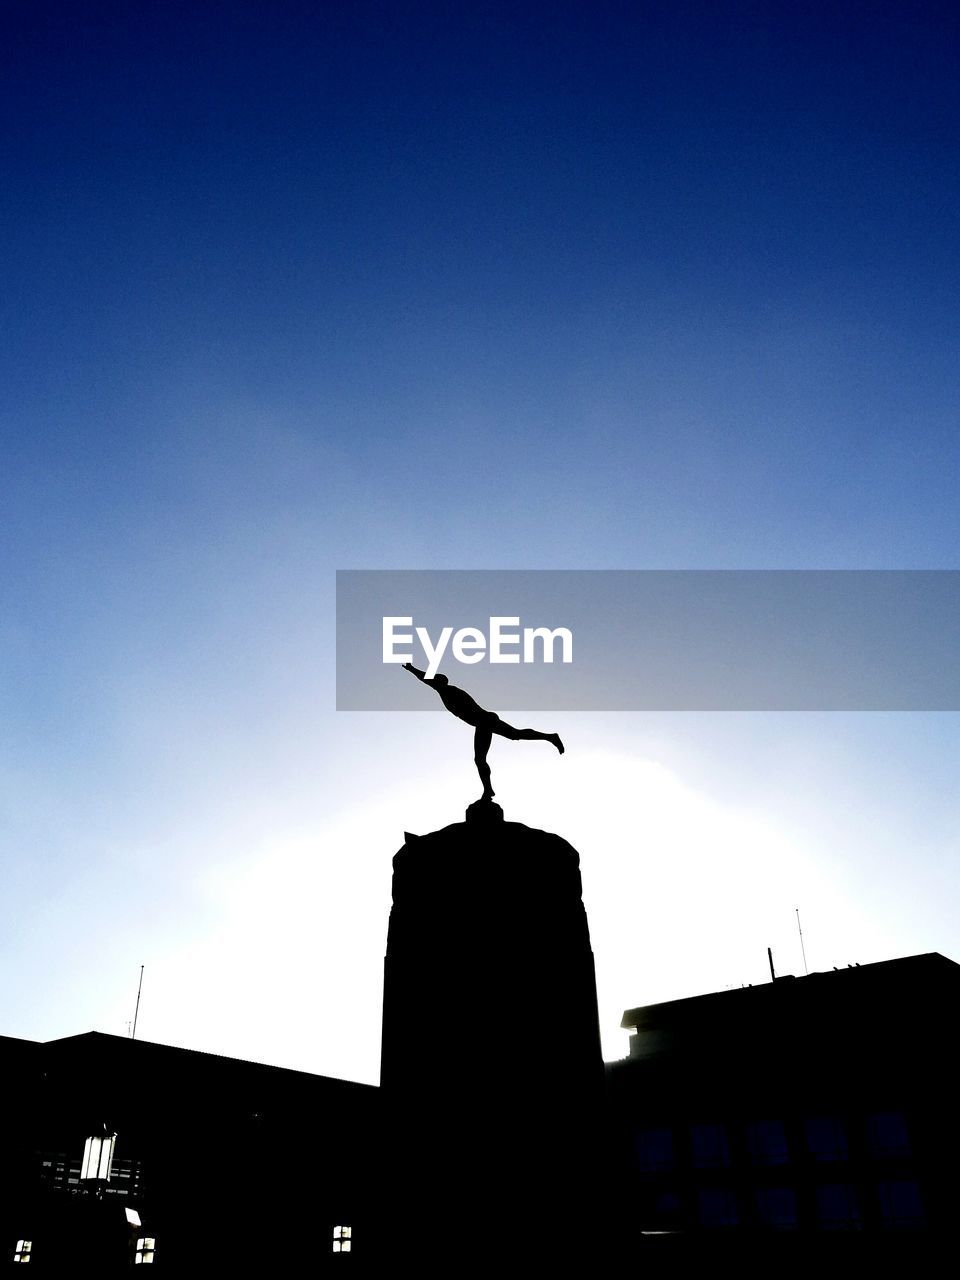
[[485, 723]]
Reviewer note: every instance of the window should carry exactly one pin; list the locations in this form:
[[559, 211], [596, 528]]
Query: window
[[838, 1207], [887, 1134], [900, 1204], [717, 1207], [661, 1208], [776, 1207], [97, 1157], [767, 1140], [342, 1239], [655, 1149], [711, 1149], [826, 1138], [23, 1251], [667, 1203], [146, 1247]]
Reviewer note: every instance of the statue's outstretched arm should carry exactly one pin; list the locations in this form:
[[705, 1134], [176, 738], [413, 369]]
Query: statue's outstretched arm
[[408, 666]]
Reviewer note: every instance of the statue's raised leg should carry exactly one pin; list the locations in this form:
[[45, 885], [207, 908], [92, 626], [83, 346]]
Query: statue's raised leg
[[525, 735]]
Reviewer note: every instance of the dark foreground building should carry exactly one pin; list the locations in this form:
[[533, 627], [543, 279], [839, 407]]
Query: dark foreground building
[[805, 1123], [212, 1162], [811, 1118]]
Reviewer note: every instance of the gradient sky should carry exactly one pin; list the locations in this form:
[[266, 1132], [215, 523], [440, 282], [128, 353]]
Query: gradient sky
[[295, 287]]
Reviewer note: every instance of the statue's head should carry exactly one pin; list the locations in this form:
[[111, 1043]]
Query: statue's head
[[440, 680]]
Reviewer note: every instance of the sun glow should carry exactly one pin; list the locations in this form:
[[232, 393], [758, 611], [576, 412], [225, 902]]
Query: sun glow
[[683, 893]]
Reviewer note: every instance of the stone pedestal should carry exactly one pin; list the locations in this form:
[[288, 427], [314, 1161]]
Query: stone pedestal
[[491, 1072]]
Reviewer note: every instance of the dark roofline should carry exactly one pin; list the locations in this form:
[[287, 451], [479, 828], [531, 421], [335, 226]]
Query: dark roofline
[[643, 1013], [103, 1038]]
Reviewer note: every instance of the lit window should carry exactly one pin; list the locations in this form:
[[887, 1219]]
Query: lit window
[[767, 1140], [342, 1239], [146, 1247], [826, 1138], [837, 1207], [98, 1157], [654, 1149], [23, 1251], [711, 1149]]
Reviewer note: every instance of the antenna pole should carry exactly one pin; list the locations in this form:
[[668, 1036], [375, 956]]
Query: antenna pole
[[136, 1011], [803, 950], [773, 976]]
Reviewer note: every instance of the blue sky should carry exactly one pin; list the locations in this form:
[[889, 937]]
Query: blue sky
[[295, 288]]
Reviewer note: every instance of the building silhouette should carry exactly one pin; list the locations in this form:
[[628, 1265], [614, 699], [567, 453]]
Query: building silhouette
[[804, 1120], [819, 1108], [217, 1160]]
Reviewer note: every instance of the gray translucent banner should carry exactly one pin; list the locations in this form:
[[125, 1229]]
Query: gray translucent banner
[[658, 640]]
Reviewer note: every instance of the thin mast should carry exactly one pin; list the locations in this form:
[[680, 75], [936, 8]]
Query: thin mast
[[137, 1010], [803, 950]]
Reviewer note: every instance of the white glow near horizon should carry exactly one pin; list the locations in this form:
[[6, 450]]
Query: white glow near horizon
[[683, 895]]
